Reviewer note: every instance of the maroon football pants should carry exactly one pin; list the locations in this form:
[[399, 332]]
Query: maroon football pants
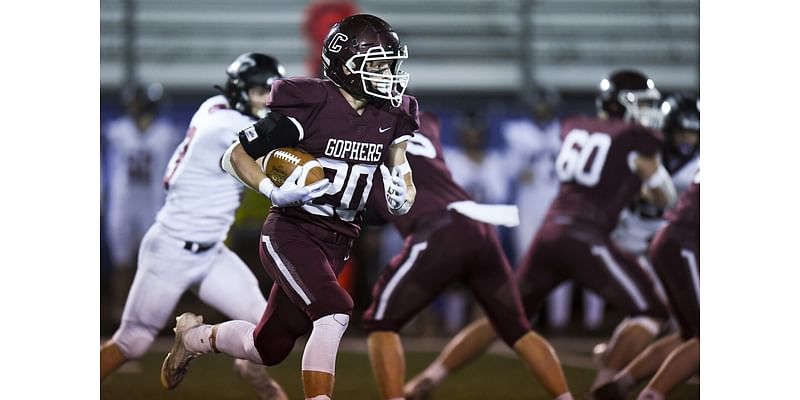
[[587, 256], [675, 254], [303, 260], [449, 248]]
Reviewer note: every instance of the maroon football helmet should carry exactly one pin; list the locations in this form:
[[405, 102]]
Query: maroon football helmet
[[630, 95], [354, 48]]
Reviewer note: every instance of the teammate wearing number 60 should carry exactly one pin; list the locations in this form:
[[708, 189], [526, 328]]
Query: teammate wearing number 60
[[602, 165], [352, 123]]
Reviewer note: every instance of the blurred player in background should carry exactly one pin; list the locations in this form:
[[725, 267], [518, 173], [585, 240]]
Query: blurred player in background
[[676, 257], [448, 238], [139, 146], [352, 123], [184, 248], [482, 173], [532, 147], [603, 163], [681, 157], [675, 253], [682, 130], [640, 221]]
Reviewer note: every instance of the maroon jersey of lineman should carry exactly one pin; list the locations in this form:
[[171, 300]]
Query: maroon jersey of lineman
[[433, 180], [687, 212], [593, 167], [348, 145]]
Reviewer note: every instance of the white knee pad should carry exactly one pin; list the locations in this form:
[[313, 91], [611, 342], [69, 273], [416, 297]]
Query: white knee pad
[[320, 352], [134, 339]]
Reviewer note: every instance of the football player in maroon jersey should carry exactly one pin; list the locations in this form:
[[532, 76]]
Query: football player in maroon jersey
[[681, 156], [603, 163], [355, 122], [675, 252], [448, 238]]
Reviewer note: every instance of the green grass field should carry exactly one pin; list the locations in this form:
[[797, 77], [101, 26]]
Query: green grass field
[[211, 377]]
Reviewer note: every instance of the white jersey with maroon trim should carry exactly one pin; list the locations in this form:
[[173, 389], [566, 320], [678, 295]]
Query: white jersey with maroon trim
[[201, 197]]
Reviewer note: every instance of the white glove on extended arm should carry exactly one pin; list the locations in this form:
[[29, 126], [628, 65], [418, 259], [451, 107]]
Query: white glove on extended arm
[[396, 190], [290, 193]]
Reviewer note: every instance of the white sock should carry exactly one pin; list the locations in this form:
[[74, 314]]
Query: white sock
[[197, 339], [319, 397], [436, 372], [650, 394], [235, 338], [564, 396]]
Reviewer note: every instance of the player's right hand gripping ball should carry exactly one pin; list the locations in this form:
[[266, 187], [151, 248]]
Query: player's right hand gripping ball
[[278, 164]]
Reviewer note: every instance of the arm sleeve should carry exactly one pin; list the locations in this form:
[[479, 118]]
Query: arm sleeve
[[274, 131]]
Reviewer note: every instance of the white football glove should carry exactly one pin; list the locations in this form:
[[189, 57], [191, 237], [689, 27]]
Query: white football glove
[[291, 193], [395, 187]]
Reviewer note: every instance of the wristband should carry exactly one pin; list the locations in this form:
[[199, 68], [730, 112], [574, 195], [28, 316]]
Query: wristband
[[404, 168]]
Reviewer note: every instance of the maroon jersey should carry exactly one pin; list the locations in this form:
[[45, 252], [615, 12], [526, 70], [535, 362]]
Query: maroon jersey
[[348, 145], [687, 212], [593, 167], [435, 186]]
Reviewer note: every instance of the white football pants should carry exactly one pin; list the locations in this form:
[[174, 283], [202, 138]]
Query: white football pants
[[166, 270]]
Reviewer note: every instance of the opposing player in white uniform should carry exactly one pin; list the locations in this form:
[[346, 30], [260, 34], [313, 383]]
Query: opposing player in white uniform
[[184, 247]]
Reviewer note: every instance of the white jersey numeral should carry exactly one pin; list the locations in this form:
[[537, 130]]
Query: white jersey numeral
[[577, 150], [347, 186]]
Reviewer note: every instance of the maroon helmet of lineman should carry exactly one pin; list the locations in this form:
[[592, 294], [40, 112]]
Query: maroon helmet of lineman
[[352, 49], [629, 95]]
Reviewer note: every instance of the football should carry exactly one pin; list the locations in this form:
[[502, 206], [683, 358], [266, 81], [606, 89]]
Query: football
[[278, 164]]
